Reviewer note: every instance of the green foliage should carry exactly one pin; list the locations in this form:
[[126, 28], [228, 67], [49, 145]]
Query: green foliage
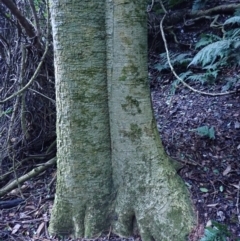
[[205, 131], [237, 12], [168, 4], [217, 232], [233, 33], [7, 111], [212, 52], [203, 189], [207, 77], [230, 82], [198, 4], [172, 3], [232, 20], [206, 39], [217, 52], [174, 87], [177, 59]]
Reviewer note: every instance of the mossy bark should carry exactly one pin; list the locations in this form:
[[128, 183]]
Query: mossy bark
[[84, 173], [148, 189], [112, 169]]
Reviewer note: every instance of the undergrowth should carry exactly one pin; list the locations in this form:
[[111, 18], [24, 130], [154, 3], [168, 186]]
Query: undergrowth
[[213, 54], [216, 232]]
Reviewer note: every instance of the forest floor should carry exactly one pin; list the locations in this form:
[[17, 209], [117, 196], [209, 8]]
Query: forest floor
[[210, 167], [201, 132]]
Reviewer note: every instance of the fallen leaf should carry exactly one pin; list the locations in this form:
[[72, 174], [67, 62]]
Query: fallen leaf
[[237, 125], [209, 223], [212, 205], [40, 227], [235, 185], [16, 228], [227, 170], [203, 189]]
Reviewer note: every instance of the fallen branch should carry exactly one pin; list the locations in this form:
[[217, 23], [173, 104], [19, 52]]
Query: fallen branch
[[176, 17], [9, 187]]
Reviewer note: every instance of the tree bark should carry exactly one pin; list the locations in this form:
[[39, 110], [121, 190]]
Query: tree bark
[[148, 188], [112, 169], [84, 173]]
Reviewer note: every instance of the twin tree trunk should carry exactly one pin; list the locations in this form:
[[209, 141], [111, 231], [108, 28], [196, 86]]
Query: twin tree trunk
[[112, 169]]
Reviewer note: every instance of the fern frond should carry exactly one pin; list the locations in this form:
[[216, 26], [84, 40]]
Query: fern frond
[[218, 232], [211, 52], [176, 59], [232, 20], [181, 59], [206, 39], [235, 44], [198, 4], [174, 86], [214, 66], [210, 234], [237, 12], [197, 77], [184, 75], [233, 33], [173, 3]]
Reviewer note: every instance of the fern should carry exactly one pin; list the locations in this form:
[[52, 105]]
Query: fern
[[209, 76], [176, 59], [218, 232], [198, 4], [185, 75], [206, 39], [237, 12], [173, 3], [235, 44], [210, 53], [232, 20], [176, 82], [181, 59], [233, 33], [214, 67], [197, 77], [174, 87]]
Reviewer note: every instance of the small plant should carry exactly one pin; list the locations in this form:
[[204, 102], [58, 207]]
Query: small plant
[[177, 59], [216, 52], [205, 131], [206, 39], [7, 111], [199, 4], [216, 232]]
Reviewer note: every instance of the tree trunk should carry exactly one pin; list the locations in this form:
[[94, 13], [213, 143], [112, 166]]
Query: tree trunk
[[84, 173], [148, 189], [135, 182]]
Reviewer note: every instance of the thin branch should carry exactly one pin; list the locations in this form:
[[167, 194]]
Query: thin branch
[[53, 101], [36, 20], [163, 7], [38, 67], [26, 24]]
